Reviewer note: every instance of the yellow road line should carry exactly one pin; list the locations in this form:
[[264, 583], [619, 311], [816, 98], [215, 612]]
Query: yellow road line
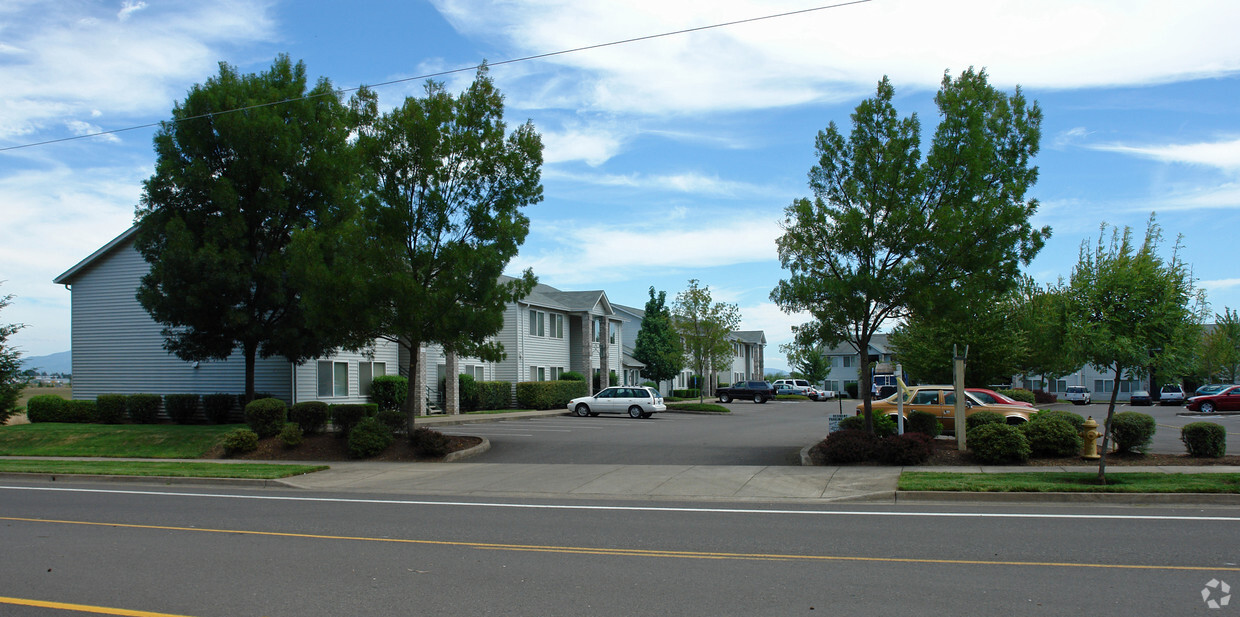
[[84, 608], [633, 552]]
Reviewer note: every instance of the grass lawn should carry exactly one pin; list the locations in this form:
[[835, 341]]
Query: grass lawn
[[698, 407], [111, 440], [1071, 482], [260, 471]]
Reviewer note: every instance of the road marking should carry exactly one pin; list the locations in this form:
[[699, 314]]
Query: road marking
[[624, 552], [546, 506], [84, 608]]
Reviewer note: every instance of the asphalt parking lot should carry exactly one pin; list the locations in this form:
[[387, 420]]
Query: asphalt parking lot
[[1169, 420]]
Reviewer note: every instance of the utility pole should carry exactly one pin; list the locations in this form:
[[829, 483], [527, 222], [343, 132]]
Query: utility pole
[[961, 421]]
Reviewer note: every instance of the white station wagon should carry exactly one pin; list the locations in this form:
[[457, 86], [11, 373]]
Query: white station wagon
[[637, 401]]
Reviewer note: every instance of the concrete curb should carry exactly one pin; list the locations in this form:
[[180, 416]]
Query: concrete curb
[[163, 480], [1176, 499], [468, 452]]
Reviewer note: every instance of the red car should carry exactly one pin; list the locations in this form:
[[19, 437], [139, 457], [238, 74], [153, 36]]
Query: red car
[[1226, 400], [990, 397]]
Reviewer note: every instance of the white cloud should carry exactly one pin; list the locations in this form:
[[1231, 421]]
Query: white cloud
[[1219, 284], [832, 54], [595, 254], [1224, 155], [686, 183], [595, 144], [128, 8]]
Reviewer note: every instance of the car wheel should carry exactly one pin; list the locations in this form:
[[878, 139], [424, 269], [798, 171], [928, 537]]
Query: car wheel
[[723, 398], [648, 414], [757, 398], [635, 412], [582, 410], [1207, 408]]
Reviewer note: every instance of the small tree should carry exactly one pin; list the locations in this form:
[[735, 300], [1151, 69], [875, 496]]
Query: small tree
[[10, 368], [705, 327], [810, 362], [1128, 304], [1220, 349], [657, 345]]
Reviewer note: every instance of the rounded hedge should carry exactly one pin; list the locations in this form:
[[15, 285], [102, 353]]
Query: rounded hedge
[[848, 446], [266, 416], [1204, 439], [997, 444], [884, 425], [1075, 419], [1052, 436], [1132, 431], [394, 419], [182, 407], [1019, 394], [291, 435], [110, 408], [143, 408], [218, 407], [923, 422], [906, 449], [389, 391], [310, 416], [429, 442], [368, 438], [974, 420], [240, 441]]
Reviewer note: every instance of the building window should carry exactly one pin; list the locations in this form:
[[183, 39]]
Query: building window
[[538, 323], [538, 373], [849, 361], [611, 333], [1103, 386], [473, 370], [333, 379], [556, 372], [366, 373], [557, 326]]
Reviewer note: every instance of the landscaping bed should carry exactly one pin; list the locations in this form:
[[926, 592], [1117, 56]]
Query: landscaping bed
[[330, 447]]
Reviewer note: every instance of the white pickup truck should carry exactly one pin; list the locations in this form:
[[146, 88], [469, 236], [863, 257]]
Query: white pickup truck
[[1078, 395]]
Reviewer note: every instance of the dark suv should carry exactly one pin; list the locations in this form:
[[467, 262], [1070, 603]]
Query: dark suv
[[756, 391]]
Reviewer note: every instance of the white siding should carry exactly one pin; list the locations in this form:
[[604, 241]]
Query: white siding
[[306, 377], [118, 348]]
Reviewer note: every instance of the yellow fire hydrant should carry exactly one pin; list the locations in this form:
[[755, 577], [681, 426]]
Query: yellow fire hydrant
[[1090, 433]]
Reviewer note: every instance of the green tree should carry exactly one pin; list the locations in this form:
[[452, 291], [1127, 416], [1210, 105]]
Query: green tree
[[810, 362], [890, 234], [1220, 349], [984, 325], [236, 178], [1128, 303], [657, 345], [445, 184], [10, 367], [705, 327], [1041, 314]]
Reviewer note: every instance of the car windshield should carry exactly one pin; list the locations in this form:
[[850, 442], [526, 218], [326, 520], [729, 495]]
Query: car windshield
[[1171, 388], [654, 393]]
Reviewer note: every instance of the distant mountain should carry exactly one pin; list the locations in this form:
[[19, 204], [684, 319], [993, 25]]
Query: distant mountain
[[55, 363]]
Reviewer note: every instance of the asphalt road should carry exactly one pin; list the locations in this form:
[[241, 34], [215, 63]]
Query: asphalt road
[[287, 553]]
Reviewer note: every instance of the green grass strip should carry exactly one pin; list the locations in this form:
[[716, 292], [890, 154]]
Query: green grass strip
[[698, 407], [254, 471], [1070, 482], [111, 440]]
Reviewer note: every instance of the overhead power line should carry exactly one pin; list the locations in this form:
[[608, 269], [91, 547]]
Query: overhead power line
[[452, 71]]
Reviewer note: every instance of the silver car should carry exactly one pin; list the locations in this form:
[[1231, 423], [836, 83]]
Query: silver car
[[637, 401]]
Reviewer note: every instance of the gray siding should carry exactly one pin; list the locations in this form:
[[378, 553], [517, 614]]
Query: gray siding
[[118, 348], [306, 376]]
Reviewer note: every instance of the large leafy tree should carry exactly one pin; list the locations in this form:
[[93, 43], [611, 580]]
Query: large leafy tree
[[445, 183], [236, 178], [983, 326], [705, 327], [810, 363], [657, 345], [1041, 314], [889, 233], [10, 368], [1219, 359], [1131, 309]]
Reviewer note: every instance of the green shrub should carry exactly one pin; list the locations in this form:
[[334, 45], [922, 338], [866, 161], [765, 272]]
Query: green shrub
[[82, 412], [368, 438], [310, 416], [181, 407], [266, 416], [1043, 397], [975, 420], [906, 449], [997, 444], [549, 394], [143, 408], [1204, 439], [494, 395], [884, 425], [467, 392], [389, 391], [430, 442], [218, 407], [650, 384], [1075, 419], [923, 422], [240, 441], [847, 446], [1019, 394], [1132, 431], [110, 408], [45, 408], [613, 379], [1052, 436], [395, 419], [851, 388], [572, 376], [291, 435], [347, 416], [687, 393]]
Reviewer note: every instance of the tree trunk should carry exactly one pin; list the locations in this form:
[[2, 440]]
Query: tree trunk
[[863, 356], [1106, 429], [250, 349], [410, 404]]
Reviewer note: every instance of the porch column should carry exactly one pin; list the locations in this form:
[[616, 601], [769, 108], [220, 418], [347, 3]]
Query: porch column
[[419, 384], [452, 384], [587, 350], [604, 353]]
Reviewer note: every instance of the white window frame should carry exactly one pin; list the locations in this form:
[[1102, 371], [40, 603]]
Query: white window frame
[[366, 373], [538, 323], [339, 372]]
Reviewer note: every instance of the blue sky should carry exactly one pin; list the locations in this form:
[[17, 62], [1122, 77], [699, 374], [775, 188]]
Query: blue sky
[[666, 159]]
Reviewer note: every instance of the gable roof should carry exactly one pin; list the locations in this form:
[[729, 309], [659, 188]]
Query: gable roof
[[69, 275]]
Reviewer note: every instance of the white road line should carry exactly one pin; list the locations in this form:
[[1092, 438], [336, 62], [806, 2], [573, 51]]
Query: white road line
[[532, 506]]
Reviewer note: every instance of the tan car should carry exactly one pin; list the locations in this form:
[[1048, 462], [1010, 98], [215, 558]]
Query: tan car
[[941, 401]]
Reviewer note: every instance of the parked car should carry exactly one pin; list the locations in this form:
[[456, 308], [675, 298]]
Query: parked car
[[756, 391], [1213, 388], [941, 401], [823, 395], [1140, 398], [803, 384], [784, 388], [637, 401], [990, 397], [1226, 400], [1078, 395], [1171, 394]]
